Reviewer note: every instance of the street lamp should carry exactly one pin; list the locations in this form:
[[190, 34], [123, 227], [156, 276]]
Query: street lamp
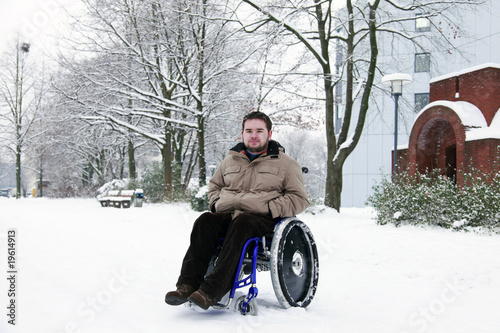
[[396, 81]]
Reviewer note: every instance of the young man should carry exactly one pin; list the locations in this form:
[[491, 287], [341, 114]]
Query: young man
[[255, 186]]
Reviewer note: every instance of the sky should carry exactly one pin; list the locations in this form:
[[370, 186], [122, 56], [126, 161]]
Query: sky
[[34, 20]]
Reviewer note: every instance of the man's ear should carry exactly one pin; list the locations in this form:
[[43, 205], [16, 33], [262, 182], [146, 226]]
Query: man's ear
[[270, 134]]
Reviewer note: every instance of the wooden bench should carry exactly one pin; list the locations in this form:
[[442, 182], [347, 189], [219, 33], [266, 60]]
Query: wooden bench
[[117, 199]]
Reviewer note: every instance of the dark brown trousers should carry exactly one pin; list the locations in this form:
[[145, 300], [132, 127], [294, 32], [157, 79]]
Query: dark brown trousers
[[208, 230]]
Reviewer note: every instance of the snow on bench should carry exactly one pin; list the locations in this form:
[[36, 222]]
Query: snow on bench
[[117, 199]]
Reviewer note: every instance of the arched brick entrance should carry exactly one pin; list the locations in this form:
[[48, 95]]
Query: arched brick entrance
[[436, 147], [437, 142]]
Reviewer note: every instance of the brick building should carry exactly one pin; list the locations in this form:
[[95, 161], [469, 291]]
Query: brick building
[[459, 130]]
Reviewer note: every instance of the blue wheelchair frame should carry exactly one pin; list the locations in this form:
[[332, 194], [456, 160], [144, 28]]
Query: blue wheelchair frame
[[250, 279]]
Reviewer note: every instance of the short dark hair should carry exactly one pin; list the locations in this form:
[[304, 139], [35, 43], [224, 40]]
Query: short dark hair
[[258, 115]]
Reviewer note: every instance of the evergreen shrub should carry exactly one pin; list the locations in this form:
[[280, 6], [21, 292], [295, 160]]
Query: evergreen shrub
[[432, 199], [153, 183], [198, 199]]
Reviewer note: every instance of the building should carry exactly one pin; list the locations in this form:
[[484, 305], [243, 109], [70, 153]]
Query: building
[[458, 132], [477, 43]]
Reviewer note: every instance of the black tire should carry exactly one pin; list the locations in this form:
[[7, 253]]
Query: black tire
[[251, 308], [294, 263]]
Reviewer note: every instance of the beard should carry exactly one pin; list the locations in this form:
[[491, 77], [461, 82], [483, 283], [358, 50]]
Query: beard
[[258, 149]]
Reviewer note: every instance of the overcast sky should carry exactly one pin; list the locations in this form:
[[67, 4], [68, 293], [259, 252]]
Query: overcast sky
[[34, 20]]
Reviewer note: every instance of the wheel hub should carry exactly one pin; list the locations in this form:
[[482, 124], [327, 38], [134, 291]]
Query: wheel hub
[[298, 263]]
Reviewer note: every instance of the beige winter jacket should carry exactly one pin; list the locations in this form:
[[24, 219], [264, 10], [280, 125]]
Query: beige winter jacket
[[270, 185]]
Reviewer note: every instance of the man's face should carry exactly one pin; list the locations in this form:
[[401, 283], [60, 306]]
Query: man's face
[[256, 136]]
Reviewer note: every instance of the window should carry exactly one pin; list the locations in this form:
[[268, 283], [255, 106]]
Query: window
[[421, 100], [422, 62], [422, 24]]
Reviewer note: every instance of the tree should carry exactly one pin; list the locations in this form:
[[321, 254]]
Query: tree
[[154, 68], [353, 29], [18, 91]]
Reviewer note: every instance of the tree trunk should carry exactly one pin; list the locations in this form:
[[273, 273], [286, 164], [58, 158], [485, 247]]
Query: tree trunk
[[167, 165], [332, 191], [202, 165], [18, 171], [40, 194], [131, 160]]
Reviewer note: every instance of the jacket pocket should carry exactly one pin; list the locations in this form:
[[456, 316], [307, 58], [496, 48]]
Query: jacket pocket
[[232, 169], [232, 175], [269, 170], [268, 179]]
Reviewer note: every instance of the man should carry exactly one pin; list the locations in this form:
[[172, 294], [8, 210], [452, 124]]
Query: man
[[255, 186]]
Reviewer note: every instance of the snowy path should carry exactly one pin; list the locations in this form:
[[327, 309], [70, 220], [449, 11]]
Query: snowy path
[[83, 268]]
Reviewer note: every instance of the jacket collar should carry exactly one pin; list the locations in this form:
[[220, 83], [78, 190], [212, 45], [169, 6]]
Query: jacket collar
[[273, 148]]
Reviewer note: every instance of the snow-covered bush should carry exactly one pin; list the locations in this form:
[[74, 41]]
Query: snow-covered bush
[[153, 183], [431, 199], [479, 202], [115, 184], [199, 199], [419, 199]]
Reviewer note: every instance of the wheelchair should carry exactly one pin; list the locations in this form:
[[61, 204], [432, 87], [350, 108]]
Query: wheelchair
[[290, 254]]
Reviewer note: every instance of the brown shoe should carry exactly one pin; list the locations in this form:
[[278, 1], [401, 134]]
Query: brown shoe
[[201, 299], [180, 295]]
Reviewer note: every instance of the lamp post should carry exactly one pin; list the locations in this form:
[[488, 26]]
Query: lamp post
[[396, 81], [17, 108]]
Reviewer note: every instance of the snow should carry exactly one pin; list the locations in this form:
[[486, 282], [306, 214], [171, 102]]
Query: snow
[[470, 117], [85, 268], [114, 184], [202, 192], [489, 132], [464, 71], [403, 77], [468, 113]]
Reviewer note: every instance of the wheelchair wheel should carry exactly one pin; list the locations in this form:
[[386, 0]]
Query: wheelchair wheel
[[294, 263], [251, 308]]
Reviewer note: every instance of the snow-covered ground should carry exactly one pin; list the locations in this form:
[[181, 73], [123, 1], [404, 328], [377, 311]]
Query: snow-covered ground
[[83, 268]]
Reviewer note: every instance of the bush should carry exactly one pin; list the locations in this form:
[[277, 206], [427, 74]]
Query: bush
[[479, 202], [153, 183], [431, 199], [199, 199]]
